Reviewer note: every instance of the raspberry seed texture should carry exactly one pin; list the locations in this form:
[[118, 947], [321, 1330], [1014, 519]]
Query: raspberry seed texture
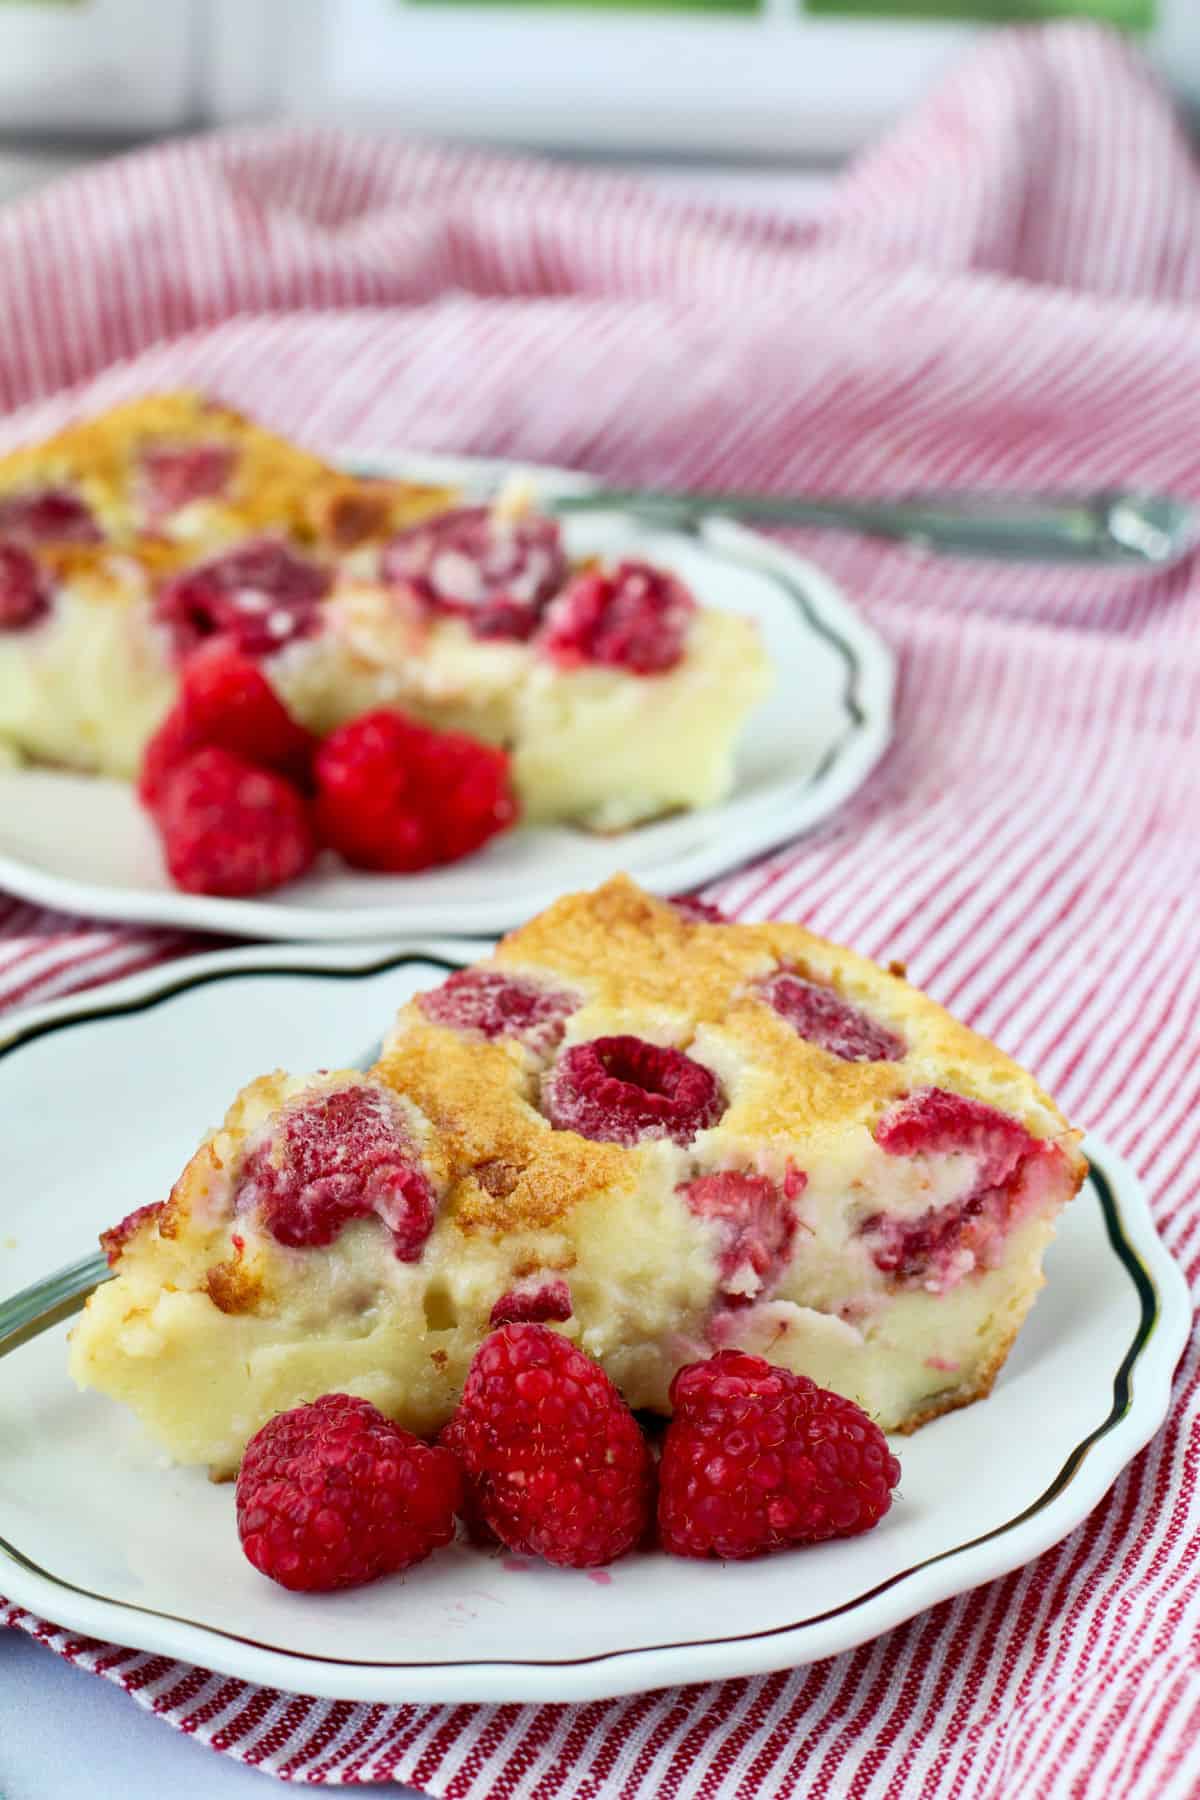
[[343, 1155], [620, 1090], [757, 1458], [332, 1495], [819, 1014], [556, 1464], [499, 1005]]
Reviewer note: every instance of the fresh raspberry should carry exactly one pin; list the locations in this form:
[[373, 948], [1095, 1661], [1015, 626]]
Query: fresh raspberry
[[537, 1301], [757, 1224], [345, 1154], [394, 795], [697, 912], [226, 701], [937, 1248], [757, 1458], [114, 1240], [24, 599], [940, 1246], [633, 617], [170, 745], [620, 1090], [48, 515], [230, 828], [452, 1437], [173, 475], [332, 1494], [936, 1122], [496, 572], [558, 1465], [261, 595], [821, 1015], [497, 1004]]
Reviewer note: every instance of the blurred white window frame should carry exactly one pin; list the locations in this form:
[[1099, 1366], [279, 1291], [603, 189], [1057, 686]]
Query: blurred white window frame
[[771, 84], [100, 68]]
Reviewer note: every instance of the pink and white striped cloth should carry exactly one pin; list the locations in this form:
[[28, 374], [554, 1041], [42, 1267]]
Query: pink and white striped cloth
[[1005, 292]]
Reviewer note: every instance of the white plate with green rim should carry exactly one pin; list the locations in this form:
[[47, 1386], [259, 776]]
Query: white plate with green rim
[[99, 1536], [83, 844]]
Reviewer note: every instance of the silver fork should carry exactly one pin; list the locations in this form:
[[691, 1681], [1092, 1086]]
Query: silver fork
[[57, 1296], [48, 1301], [1114, 528]]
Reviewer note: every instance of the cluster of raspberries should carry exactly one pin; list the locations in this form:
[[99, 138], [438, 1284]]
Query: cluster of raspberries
[[544, 1457], [244, 798]]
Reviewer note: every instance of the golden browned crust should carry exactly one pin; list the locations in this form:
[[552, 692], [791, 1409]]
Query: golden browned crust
[[116, 1240], [274, 485], [507, 1170], [626, 950], [638, 965], [518, 1199], [232, 1286], [343, 511]]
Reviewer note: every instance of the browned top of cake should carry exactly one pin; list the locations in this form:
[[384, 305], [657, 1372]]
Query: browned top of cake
[[270, 484], [638, 966]]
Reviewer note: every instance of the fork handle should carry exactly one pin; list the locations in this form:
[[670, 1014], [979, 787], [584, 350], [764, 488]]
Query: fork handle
[[1106, 528], [38, 1307]]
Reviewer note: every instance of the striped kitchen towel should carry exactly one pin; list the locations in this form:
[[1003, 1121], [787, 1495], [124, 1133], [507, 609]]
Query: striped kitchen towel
[[1005, 292]]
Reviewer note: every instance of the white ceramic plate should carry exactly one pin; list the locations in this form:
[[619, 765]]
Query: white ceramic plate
[[102, 1100], [84, 845]]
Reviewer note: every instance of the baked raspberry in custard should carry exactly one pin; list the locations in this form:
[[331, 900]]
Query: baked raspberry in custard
[[131, 541], [612, 1125]]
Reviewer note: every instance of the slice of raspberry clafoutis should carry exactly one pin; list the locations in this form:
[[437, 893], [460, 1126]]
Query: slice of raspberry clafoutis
[[130, 541], [663, 1134]]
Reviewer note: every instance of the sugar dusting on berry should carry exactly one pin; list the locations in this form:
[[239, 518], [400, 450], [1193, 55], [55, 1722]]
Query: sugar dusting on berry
[[337, 1156], [936, 1121], [820, 1015], [555, 1461], [622, 1090], [499, 1005], [24, 595], [494, 570], [944, 1244], [633, 617], [261, 596], [332, 1495], [757, 1458], [539, 1300], [757, 1224]]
